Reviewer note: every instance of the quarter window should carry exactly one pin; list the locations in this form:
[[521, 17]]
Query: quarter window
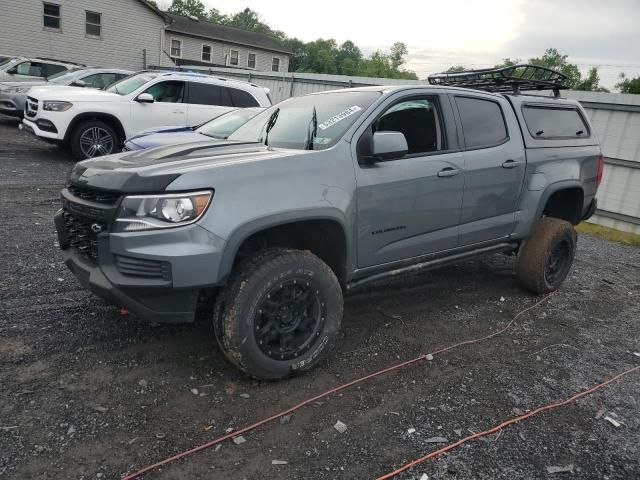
[[251, 60], [206, 53], [176, 48], [554, 122], [418, 120], [482, 122], [275, 64], [242, 99], [93, 24], [51, 18], [208, 94], [233, 57]]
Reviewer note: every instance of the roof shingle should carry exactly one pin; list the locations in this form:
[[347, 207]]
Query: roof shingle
[[212, 31]]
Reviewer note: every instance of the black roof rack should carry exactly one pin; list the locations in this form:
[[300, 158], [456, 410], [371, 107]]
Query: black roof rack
[[504, 79]]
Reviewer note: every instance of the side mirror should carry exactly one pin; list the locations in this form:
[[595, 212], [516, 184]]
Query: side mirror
[[389, 145], [145, 98], [79, 83]]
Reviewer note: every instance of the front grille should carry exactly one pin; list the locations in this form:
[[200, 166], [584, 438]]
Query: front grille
[[31, 107], [93, 194], [81, 236], [139, 267]]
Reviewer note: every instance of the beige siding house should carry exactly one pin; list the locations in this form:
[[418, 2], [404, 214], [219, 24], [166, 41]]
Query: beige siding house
[[131, 34], [111, 33], [189, 41]]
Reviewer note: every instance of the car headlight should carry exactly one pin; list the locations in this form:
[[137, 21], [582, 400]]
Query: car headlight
[[55, 106], [148, 212]]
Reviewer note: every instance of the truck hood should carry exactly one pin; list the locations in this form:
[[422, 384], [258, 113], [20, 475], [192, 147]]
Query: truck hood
[[74, 94], [151, 170]]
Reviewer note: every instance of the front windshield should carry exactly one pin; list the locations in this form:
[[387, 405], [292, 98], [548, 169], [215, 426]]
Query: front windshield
[[66, 77], [226, 124], [132, 83], [313, 122], [6, 64]]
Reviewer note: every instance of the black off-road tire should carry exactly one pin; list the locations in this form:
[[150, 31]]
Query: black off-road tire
[[545, 259], [238, 316], [81, 128]]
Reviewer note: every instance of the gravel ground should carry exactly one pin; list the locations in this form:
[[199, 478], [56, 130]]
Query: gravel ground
[[86, 394]]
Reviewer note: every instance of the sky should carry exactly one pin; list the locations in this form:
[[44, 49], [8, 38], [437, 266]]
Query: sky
[[475, 33]]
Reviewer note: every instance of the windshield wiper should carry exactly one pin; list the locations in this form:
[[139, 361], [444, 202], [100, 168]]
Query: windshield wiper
[[313, 130], [270, 123]]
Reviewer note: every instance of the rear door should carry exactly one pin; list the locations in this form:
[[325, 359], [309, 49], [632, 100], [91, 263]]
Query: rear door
[[494, 165], [168, 108], [410, 206], [207, 101]]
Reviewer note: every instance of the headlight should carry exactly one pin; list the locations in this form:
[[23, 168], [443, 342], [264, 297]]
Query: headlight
[[54, 106], [148, 212]]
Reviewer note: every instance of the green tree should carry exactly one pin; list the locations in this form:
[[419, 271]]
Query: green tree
[[591, 82], [194, 8], [248, 19], [348, 58], [556, 61], [215, 16], [298, 51], [456, 69], [398, 52], [508, 62], [628, 85]]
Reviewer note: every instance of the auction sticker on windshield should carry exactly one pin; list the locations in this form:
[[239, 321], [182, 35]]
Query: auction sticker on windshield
[[339, 117]]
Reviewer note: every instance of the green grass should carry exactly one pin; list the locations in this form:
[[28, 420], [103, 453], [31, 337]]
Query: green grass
[[625, 238]]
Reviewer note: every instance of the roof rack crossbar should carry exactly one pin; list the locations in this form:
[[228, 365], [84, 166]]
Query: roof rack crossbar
[[504, 79]]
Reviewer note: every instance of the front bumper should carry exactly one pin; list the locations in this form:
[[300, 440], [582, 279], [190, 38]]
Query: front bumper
[[12, 104], [121, 273], [46, 132]]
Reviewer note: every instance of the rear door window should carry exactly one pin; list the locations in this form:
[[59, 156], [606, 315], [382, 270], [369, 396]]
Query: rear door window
[[483, 123], [554, 122], [208, 94]]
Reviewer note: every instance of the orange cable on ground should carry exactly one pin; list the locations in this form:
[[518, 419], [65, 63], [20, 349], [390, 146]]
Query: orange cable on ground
[[504, 424], [235, 433]]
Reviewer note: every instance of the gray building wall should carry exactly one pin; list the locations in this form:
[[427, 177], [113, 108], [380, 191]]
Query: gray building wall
[[192, 50], [128, 27]]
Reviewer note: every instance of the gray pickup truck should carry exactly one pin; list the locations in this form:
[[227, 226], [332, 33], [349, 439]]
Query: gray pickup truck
[[317, 195]]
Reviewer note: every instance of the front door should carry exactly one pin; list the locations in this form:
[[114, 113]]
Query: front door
[[167, 108], [494, 166], [410, 206]]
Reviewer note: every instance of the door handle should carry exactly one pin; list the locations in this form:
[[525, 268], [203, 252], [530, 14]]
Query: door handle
[[510, 164], [178, 111], [448, 172]]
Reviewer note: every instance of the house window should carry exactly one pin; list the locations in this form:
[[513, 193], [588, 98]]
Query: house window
[[233, 57], [176, 48], [275, 64], [51, 17], [206, 53], [93, 24], [251, 60]]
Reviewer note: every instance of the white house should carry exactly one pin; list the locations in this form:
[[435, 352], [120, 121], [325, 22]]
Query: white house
[[131, 34]]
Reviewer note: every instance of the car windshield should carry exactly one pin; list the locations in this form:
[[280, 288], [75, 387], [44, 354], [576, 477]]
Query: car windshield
[[132, 83], [314, 122], [66, 77], [6, 64], [226, 124]]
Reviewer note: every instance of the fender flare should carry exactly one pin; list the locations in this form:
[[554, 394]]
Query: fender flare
[[246, 230], [553, 188]]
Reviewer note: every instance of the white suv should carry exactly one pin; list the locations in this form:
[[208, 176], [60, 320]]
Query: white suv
[[95, 123]]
